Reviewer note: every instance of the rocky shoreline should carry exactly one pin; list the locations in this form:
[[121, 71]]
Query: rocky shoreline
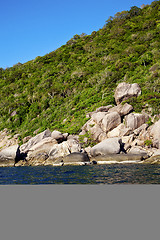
[[120, 134]]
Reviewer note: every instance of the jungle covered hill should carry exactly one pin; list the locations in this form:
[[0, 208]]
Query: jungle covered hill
[[57, 90]]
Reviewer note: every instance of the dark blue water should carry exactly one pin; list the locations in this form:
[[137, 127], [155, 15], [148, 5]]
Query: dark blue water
[[94, 174]]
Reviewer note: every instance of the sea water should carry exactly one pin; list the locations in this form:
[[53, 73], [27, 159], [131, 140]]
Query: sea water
[[93, 174]]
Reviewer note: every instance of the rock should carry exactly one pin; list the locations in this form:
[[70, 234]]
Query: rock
[[26, 139], [9, 156], [57, 136], [38, 159], [64, 148], [103, 108], [153, 160], [156, 153], [88, 151], [14, 113], [110, 121], [44, 146], [134, 120], [142, 127], [88, 125], [122, 109], [102, 137], [93, 126], [34, 140], [97, 117], [7, 163], [95, 132], [65, 136], [100, 109], [54, 162], [128, 139], [76, 157], [144, 135], [118, 158], [125, 90], [119, 131], [154, 132], [139, 151], [108, 146], [137, 142]]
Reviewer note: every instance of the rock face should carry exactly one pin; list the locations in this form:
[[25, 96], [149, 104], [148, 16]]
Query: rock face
[[34, 140], [64, 148], [155, 133], [110, 121], [135, 120], [9, 156], [108, 146], [57, 136], [76, 157], [122, 109], [125, 90], [44, 146]]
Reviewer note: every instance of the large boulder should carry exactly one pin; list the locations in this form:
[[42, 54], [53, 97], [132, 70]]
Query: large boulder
[[44, 146], [135, 120], [108, 146], [122, 109], [100, 109], [98, 117], [139, 151], [9, 156], [64, 148], [76, 157], [119, 131], [93, 126], [110, 121], [154, 131], [58, 136], [125, 90], [34, 140]]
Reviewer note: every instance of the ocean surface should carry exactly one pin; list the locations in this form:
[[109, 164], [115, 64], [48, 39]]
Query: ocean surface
[[94, 174]]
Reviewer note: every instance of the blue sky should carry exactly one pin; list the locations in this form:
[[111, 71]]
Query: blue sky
[[36, 27]]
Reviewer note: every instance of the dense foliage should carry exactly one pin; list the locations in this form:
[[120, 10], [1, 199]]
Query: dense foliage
[[56, 90]]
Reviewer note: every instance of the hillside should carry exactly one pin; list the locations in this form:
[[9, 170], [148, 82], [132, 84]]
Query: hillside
[[57, 90]]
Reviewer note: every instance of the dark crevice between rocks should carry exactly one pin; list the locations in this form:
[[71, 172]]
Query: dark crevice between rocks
[[122, 147], [20, 156]]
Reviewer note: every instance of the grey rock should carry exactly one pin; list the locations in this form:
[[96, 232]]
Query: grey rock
[[135, 120], [97, 117], [108, 146], [125, 90], [57, 136], [9, 156], [34, 140], [44, 146], [76, 157], [65, 148], [142, 127], [154, 132], [139, 151], [110, 121], [122, 109], [103, 108]]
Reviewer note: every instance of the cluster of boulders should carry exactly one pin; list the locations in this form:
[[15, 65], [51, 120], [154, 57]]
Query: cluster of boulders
[[121, 136]]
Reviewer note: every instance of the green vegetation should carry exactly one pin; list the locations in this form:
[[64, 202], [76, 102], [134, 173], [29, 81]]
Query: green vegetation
[[57, 90], [148, 143]]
